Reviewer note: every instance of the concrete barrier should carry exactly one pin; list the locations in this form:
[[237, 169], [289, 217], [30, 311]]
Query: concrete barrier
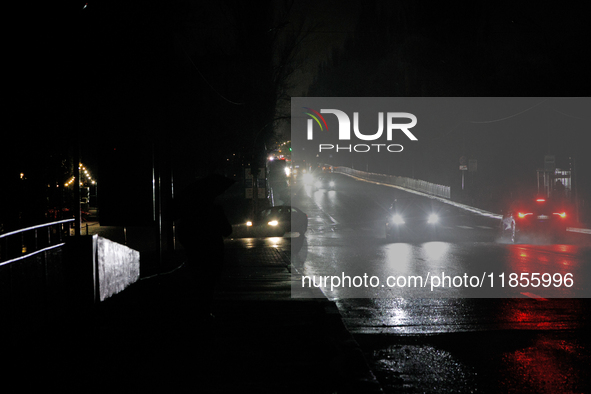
[[98, 268], [118, 267]]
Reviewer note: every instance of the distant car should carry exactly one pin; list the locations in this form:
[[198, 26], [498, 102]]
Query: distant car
[[415, 218], [279, 220], [324, 181], [535, 217]]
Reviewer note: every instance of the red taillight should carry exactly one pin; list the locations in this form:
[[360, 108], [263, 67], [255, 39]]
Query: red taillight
[[522, 215], [561, 214]]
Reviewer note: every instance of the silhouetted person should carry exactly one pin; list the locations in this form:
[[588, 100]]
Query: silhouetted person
[[201, 228], [559, 190]]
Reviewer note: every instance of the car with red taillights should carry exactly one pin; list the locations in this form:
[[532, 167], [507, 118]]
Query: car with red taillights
[[537, 217]]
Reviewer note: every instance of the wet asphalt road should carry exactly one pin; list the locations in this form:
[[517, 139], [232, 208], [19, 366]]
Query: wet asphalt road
[[457, 338]]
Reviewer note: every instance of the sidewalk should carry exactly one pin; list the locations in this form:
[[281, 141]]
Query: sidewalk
[[147, 337]]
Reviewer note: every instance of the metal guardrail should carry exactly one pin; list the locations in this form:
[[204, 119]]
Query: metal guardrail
[[409, 183], [25, 242]]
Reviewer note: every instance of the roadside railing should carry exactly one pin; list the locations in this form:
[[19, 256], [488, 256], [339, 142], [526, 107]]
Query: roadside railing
[[25, 242], [409, 183]]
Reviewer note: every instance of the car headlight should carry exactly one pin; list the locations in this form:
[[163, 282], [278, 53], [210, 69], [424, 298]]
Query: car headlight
[[433, 218], [248, 224], [273, 223], [397, 219]]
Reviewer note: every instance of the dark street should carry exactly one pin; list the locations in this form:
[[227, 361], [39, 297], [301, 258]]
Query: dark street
[[296, 197], [516, 342]]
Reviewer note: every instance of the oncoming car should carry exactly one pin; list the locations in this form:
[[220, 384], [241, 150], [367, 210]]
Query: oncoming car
[[278, 221], [416, 218], [325, 182], [536, 217]]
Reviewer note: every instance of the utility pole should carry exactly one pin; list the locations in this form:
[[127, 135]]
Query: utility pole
[[576, 189], [254, 170], [77, 180]]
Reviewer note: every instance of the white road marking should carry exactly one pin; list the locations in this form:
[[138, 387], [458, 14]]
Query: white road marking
[[535, 296]]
